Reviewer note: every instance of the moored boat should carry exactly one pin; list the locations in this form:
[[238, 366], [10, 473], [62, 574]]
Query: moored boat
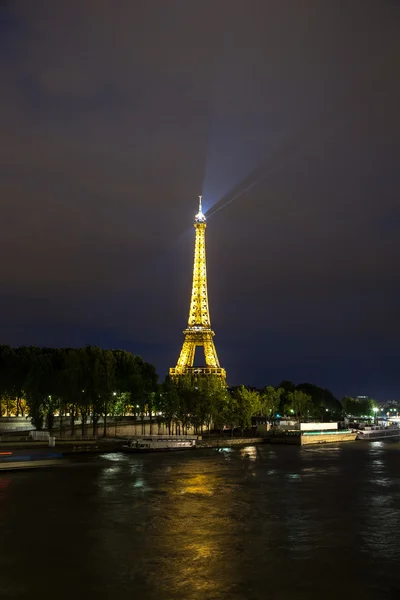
[[377, 432], [159, 443]]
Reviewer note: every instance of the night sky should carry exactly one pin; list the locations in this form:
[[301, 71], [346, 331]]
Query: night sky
[[116, 114]]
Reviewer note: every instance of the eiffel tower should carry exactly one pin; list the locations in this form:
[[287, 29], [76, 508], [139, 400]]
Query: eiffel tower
[[199, 332]]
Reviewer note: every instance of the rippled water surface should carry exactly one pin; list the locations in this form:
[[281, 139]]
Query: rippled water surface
[[258, 522]]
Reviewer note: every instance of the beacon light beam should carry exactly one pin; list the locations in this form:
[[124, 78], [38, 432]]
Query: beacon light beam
[[295, 145], [303, 138], [199, 332]]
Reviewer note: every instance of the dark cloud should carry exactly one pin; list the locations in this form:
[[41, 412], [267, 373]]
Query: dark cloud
[[115, 115]]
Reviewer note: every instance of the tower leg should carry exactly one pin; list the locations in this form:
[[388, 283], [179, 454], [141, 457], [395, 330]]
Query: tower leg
[[210, 354], [186, 357]]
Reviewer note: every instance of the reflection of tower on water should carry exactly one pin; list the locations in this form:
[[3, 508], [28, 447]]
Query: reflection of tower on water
[[199, 332]]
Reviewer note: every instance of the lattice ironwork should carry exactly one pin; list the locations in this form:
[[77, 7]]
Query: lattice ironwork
[[199, 332]]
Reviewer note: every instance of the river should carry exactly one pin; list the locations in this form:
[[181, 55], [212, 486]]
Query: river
[[256, 522]]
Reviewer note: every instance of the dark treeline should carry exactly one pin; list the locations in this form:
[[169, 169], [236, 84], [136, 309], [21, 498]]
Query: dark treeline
[[89, 384], [79, 382]]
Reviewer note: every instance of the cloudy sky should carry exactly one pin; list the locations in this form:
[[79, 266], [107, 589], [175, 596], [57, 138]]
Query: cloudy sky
[[116, 114]]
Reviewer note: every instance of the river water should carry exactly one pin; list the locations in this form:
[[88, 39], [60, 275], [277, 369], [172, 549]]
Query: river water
[[256, 522]]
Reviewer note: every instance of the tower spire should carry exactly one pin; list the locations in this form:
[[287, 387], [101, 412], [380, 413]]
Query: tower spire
[[199, 332], [200, 217]]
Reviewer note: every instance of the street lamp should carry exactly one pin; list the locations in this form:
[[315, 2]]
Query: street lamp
[[115, 418]]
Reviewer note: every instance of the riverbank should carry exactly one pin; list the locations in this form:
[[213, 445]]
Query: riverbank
[[37, 454], [64, 445], [307, 438], [226, 442]]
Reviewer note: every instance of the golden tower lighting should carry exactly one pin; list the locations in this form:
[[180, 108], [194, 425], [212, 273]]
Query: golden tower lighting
[[199, 332]]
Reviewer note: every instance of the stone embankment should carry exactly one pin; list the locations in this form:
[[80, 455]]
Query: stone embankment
[[224, 442], [327, 438]]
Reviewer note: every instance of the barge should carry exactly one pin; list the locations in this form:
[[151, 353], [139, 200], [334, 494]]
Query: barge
[[160, 443], [378, 433], [313, 433]]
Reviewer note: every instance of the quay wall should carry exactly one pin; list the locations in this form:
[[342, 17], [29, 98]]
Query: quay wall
[[327, 438], [307, 440], [10, 424], [121, 430], [224, 442]]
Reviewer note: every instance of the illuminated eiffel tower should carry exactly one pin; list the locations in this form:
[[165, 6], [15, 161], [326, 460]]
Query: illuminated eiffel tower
[[199, 332]]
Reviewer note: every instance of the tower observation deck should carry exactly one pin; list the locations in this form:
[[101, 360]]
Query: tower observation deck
[[198, 331]]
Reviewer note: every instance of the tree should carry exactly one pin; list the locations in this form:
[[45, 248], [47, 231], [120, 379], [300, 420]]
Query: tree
[[322, 401], [14, 366], [106, 383], [298, 403], [168, 402], [213, 401], [187, 396], [128, 380], [92, 386], [6, 359], [230, 414], [148, 387], [222, 408], [351, 406], [357, 407], [37, 385], [247, 403], [50, 405], [270, 401], [71, 382], [286, 386], [119, 407]]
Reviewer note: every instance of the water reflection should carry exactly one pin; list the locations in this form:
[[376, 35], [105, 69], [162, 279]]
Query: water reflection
[[226, 452], [318, 471], [292, 476], [249, 452], [196, 547], [199, 484], [113, 457], [376, 447], [380, 512], [111, 471], [197, 525]]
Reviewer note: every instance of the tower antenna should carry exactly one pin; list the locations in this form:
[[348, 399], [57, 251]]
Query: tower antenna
[[200, 217]]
